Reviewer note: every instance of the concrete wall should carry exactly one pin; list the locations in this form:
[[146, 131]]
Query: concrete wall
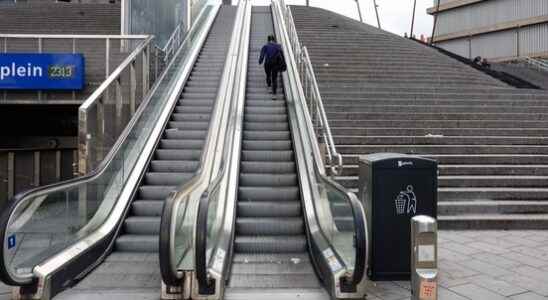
[[497, 30]]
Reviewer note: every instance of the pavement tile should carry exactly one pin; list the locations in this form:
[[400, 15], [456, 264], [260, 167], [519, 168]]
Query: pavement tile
[[541, 254], [445, 294], [538, 274], [444, 253], [485, 247], [448, 280], [528, 296], [528, 283], [500, 287], [526, 259], [485, 268], [475, 292], [497, 260], [459, 237], [496, 241], [522, 241], [463, 249]]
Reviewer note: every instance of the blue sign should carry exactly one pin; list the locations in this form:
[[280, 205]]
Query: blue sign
[[11, 241], [29, 71]]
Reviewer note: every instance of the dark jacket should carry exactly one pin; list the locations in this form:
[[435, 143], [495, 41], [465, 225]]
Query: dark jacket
[[269, 51]]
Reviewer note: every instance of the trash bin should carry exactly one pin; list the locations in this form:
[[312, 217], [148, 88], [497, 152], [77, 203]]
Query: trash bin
[[394, 188]]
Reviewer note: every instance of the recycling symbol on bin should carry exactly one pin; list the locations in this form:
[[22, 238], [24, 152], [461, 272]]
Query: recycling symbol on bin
[[406, 202]]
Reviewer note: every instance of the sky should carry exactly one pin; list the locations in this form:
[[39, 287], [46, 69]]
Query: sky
[[395, 15]]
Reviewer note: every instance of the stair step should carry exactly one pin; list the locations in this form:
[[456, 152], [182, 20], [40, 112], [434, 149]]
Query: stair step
[[283, 226], [270, 244]]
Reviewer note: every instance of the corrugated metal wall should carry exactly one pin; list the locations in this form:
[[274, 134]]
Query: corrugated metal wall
[[525, 41], [489, 13]]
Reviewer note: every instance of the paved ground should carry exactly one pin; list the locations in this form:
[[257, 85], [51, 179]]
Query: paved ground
[[478, 265], [484, 265]]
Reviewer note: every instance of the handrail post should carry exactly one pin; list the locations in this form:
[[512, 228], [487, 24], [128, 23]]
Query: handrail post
[[145, 75], [133, 87], [119, 106]]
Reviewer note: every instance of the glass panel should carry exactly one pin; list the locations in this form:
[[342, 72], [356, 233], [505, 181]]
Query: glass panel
[[44, 224], [343, 236]]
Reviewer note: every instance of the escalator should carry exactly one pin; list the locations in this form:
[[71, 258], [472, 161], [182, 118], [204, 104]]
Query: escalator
[[133, 263], [97, 237], [270, 244], [273, 225]]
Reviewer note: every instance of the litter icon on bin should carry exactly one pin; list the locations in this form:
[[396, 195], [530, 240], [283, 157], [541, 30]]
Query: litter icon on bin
[[406, 202]]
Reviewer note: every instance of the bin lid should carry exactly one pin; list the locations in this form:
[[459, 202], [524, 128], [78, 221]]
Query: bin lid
[[398, 160]]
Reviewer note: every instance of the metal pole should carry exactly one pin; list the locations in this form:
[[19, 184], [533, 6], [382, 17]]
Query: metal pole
[[359, 10], [413, 19], [435, 22], [424, 258], [377, 13]]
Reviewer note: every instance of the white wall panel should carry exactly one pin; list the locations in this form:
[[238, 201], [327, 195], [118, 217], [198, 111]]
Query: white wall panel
[[489, 13]]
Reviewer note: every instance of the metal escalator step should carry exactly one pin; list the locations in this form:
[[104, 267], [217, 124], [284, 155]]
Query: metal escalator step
[[176, 134], [149, 192], [264, 104], [185, 108], [198, 96], [269, 209], [187, 116], [202, 109], [188, 125], [174, 166], [169, 154], [269, 226], [132, 257], [153, 178], [278, 267], [266, 145], [267, 167], [268, 180], [281, 258], [265, 118], [195, 89], [267, 156], [278, 282], [266, 126], [270, 244], [150, 208], [267, 135], [268, 194], [137, 243], [181, 144], [142, 225], [274, 110]]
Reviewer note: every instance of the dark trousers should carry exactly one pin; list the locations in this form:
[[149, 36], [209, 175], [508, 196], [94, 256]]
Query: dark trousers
[[271, 76]]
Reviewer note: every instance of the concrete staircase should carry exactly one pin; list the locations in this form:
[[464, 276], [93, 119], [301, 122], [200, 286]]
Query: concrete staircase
[[60, 18], [384, 93]]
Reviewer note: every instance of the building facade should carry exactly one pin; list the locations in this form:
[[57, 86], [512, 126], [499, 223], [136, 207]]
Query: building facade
[[499, 30]]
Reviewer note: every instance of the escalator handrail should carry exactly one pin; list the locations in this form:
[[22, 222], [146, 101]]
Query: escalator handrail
[[168, 267], [360, 225], [205, 284], [8, 277]]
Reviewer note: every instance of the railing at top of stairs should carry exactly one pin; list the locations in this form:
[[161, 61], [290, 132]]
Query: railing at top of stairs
[[313, 95], [540, 64]]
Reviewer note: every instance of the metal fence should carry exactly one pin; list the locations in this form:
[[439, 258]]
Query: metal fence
[[102, 54], [104, 115], [313, 95], [21, 169]]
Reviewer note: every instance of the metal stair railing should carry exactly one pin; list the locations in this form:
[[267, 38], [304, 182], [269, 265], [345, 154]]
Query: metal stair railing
[[313, 95], [540, 64], [80, 217], [320, 194]]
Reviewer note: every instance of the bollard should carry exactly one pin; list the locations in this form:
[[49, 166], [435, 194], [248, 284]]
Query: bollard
[[424, 258]]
